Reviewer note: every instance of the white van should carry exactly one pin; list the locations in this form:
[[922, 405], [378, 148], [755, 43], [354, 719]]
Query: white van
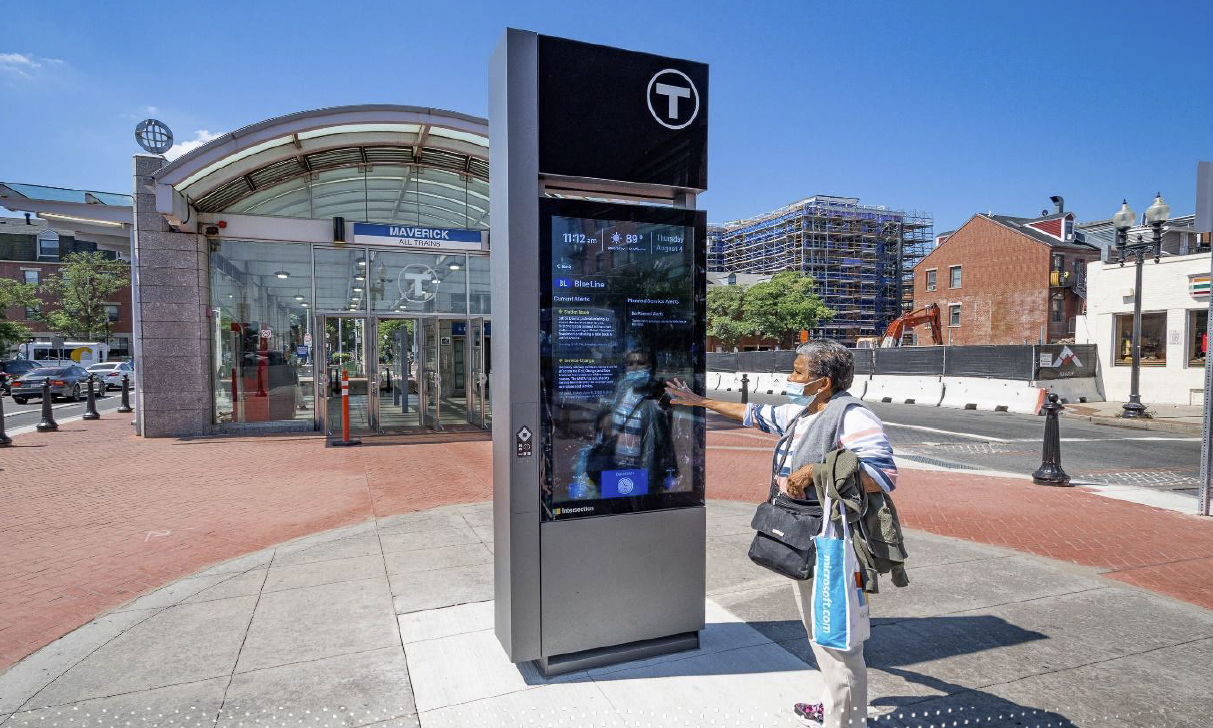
[[84, 353]]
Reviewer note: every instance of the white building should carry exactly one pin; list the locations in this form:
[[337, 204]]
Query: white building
[[1174, 325]]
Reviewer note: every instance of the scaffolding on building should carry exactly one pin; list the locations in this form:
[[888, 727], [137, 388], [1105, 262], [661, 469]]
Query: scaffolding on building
[[861, 256]]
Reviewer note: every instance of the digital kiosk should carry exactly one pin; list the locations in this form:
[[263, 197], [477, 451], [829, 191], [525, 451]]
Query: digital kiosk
[[598, 280]]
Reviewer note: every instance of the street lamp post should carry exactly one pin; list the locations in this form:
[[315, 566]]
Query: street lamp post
[[1156, 214]]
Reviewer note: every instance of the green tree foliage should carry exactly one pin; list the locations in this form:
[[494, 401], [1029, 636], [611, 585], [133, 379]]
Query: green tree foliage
[[79, 293], [781, 307], [725, 315], [18, 295]]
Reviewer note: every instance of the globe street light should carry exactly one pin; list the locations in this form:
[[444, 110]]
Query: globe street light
[[1156, 214]]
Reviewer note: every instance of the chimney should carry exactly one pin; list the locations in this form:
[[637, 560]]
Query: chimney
[[1059, 202], [27, 222]]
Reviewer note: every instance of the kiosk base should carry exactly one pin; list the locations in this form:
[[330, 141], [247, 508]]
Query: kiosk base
[[586, 659]]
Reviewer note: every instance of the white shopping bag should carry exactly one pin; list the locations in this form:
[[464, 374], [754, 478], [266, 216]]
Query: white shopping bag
[[840, 606]]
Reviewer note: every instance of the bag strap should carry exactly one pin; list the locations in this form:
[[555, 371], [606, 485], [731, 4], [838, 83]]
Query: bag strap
[[777, 462]]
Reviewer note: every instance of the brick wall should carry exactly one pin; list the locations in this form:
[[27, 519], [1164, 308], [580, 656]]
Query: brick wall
[[16, 271], [1004, 292]]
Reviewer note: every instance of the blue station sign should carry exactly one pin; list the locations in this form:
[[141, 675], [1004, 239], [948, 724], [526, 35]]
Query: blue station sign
[[411, 236]]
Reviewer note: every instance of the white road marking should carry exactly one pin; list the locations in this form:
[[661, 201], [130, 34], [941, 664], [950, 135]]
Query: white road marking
[[1111, 439], [970, 435]]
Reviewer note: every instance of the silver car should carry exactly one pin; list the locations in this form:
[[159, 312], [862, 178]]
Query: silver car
[[67, 382], [109, 374]]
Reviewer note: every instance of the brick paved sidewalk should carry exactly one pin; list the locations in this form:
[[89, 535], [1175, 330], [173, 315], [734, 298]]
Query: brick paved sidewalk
[[94, 516]]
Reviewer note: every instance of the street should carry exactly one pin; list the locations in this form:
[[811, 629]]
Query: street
[[30, 413], [968, 439]]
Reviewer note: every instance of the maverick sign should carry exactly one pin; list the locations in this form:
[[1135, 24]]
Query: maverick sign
[[409, 236], [611, 114]]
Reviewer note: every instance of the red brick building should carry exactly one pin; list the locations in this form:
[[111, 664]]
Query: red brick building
[[1006, 280]]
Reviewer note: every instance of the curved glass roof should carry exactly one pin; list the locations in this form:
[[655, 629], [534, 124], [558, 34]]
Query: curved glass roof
[[386, 164]]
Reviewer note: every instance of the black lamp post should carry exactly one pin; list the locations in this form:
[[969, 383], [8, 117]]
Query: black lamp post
[[1156, 214]]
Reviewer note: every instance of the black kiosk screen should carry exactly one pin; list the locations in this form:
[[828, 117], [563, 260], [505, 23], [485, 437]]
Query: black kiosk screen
[[619, 320]]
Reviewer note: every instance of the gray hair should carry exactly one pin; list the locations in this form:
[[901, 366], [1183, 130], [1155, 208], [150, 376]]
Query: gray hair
[[828, 358]]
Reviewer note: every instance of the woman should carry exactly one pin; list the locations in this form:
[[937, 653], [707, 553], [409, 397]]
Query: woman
[[823, 417]]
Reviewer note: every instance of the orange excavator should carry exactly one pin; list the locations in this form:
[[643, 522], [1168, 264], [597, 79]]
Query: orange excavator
[[928, 314]]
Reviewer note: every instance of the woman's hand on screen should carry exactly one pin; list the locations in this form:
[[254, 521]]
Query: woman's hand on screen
[[680, 393]]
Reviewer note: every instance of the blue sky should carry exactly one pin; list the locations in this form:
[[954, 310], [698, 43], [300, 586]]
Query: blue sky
[[948, 107]]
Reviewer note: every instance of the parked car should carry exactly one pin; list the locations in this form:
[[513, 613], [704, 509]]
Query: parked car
[[109, 374], [11, 369], [67, 382]]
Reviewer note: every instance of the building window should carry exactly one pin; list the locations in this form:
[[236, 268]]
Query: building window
[[31, 276], [31, 313], [111, 312], [931, 279], [1198, 337], [1058, 310], [1153, 340], [954, 315], [954, 277], [1059, 262], [48, 245]]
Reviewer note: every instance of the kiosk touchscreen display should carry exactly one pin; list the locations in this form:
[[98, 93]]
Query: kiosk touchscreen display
[[620, 317]]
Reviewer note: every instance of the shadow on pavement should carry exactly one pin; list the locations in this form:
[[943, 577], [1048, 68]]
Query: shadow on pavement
[[932, 639]]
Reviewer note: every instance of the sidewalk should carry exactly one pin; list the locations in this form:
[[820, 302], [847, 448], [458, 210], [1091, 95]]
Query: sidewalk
[[277, 573], [1177, 418]]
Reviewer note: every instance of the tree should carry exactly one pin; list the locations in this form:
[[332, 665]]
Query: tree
[[781, 307], [725, 315], [78, 295], [15, 294]]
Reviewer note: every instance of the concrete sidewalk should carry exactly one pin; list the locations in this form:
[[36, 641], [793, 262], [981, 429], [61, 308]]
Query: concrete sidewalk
[[1176, 418], [388, 623]]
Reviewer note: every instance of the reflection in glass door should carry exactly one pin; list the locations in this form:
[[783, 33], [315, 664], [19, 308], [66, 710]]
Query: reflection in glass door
[[400, 388], [478, 385], [431, 404], [345, 352]]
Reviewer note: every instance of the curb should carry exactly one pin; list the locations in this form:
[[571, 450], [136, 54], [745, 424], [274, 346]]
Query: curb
[[1154, 425]]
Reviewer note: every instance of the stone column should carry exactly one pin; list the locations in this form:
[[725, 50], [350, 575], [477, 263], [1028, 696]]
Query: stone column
[[170, 288]]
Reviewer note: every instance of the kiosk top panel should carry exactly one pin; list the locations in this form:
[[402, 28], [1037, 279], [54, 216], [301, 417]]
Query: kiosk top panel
[[610, 114]]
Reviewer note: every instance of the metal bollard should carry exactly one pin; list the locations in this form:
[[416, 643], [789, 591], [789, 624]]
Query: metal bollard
[[126, 395], [745, 388], [48, 423], [90, 409], [5, 440], [1050, 472]]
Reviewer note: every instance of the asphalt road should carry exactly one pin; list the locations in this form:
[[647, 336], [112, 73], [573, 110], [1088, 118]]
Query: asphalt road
[[21, 415], [967, 439]]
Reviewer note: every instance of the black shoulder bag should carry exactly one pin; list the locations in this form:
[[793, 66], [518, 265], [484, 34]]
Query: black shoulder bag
[[784, 530]]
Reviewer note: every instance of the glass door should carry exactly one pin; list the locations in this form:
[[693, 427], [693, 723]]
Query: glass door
[[400, 389], [478, 384], [430, 375], [345, 352]]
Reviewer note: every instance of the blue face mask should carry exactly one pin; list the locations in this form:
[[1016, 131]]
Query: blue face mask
[[637, 378], [795, 392]]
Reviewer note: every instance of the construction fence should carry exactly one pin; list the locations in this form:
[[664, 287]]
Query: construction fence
[[1029, 362]]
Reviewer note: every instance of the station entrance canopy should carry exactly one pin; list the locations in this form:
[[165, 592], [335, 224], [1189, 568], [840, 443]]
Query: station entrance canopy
[[384, 164]]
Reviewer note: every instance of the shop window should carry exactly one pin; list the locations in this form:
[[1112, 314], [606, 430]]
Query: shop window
[[931, 279], [1198, 337], [954, 273], [31, 276], [954, 315], [1153, 339]]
